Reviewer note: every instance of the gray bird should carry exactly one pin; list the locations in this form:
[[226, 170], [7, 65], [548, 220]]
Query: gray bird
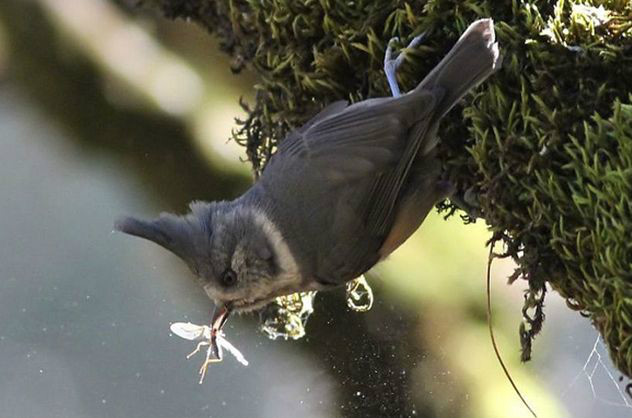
[[340, 194]]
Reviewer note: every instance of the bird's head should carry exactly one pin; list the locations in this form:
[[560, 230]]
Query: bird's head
[[239, 258]]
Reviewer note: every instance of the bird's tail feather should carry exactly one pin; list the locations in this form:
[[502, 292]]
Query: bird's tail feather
[[471, 60]]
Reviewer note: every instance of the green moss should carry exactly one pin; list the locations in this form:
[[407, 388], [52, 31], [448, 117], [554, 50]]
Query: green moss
[[545, 145]]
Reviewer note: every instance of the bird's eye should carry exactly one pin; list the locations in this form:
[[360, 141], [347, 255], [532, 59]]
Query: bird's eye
[[229, 278]]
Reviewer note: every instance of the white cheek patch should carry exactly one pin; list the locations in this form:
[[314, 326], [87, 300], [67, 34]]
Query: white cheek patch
[[287, 262], [238, 259]]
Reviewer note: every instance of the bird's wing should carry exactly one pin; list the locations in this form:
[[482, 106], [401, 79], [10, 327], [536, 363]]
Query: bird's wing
[[329, 110], [343, 174], [344, 143], [380, 203]]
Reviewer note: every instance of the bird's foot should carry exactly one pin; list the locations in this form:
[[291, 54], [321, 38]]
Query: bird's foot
[[392, 64], [468, 202]]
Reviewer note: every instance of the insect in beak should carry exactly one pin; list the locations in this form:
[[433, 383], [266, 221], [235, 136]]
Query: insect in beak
[[220, 316], [212, 336]]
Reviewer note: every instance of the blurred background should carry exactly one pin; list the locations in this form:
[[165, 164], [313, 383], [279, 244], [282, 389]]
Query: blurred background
[[108, 110]]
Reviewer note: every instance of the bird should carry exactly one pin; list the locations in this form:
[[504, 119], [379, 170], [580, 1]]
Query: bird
[[339, 195]]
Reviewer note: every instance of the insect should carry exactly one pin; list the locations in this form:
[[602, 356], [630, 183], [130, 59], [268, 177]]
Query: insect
[[211, 336]]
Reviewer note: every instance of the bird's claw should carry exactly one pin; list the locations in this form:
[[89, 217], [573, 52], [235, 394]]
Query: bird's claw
[[391, 65]]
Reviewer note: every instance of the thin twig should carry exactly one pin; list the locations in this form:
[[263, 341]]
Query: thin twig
[[491, 328]]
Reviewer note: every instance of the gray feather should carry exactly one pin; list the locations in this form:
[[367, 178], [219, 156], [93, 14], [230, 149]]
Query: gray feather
[[337, 184], [341, 192], [168, 231]]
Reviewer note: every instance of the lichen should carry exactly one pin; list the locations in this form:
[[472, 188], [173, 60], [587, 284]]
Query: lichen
[[545, 145]]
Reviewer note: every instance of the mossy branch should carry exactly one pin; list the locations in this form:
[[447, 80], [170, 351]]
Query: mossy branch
[[545, 145]]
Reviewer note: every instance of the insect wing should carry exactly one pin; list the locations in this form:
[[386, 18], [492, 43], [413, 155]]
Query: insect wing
[[223, 343], [187, 330]]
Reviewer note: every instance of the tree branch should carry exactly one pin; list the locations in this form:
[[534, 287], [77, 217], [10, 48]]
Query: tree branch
[[545, 145]]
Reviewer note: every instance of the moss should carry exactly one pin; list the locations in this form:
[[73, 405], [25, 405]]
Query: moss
[[545, 145]]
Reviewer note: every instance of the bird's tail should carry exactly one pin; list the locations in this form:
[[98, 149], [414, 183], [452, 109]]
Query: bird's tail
[[471, 60]]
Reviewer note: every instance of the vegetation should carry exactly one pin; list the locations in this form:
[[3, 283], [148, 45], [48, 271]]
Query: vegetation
[[544, 147]]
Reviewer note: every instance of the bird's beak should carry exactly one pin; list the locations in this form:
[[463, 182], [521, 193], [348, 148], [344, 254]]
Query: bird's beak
[[220, 316]]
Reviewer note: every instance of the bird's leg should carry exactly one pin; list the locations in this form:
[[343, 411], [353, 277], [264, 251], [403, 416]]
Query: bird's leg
[[467, 202], [392, 64]]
